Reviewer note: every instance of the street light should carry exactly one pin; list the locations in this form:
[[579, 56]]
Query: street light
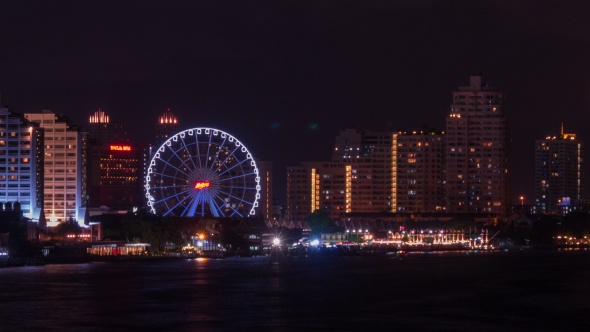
[[276, 241], [522, 200]]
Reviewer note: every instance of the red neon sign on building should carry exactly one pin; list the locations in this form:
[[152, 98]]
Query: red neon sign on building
[[201, 185], [120, 148]]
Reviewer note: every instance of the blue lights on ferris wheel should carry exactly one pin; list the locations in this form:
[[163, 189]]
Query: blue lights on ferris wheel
[[203, 171]]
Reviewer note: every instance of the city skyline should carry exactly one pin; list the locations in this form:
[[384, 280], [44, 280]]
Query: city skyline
[[284, 82]]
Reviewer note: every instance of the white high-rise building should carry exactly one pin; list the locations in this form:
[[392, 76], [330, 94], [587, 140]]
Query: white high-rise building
[[65, 169], [21, 156]]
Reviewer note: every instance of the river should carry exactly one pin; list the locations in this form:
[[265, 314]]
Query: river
[[465, 291]]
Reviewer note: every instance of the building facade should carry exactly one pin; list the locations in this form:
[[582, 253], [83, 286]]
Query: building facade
[[115, 176], [558, 173], [21, 163], [167, 126], [419, 182], [478, 162], [370, 156], [318, 185], [107, 132], [265, 201], [65, 187]]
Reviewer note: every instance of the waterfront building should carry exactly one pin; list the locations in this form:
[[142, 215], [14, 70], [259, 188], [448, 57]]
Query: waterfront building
[[478, 163], [21, 163], [558, 173], [107, 132], [419, 183], [115, 175], [370, 157], [65, 168], [318, 185]]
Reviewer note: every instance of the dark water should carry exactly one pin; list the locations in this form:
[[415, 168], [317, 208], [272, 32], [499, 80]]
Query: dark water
[[525, 291]]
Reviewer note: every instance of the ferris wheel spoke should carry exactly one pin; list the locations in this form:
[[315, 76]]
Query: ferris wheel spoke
[[190, 157], [237, 176], [229, 205], [167, 187], [236, 165], [240, 199], [218, 152], [226, 158], [180, 193], [208, 149], [189, 205], [194, 204], [249, 188], [215, 206], [164, 161], [198, 149], [177, 156], [175, 206], [168, 176]]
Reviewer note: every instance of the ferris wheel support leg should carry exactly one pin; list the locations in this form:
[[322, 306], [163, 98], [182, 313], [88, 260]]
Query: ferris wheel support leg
[[194, 204]]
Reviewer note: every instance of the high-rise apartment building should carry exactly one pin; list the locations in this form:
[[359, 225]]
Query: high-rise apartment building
[[65, 160], [21, 163], [370, 157], [108, 132], [167, 126], [419, 182], [318, 186], [558, 172], [478, 159]]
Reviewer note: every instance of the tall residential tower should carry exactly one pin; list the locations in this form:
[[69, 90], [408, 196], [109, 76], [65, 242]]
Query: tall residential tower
[[558, 172], [21, 163], [65, 168], [478, 162]]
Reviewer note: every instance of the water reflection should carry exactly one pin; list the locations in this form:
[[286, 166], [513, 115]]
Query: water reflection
[[338, 293]]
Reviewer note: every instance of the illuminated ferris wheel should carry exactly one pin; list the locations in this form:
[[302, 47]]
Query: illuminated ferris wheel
[[203, 171]]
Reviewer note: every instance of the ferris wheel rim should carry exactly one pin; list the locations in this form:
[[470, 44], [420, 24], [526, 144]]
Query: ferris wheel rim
[[214, 196]]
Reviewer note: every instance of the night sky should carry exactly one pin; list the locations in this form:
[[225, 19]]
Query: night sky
[[286, 76]]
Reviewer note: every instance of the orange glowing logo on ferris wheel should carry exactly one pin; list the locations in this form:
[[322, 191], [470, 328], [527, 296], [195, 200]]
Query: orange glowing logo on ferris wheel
[[201, 185]]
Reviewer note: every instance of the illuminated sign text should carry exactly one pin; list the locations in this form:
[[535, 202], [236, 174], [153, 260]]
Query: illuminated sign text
[[120, 148], [201, 185]]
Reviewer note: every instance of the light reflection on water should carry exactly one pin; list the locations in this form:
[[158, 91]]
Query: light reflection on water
[[453, 290]]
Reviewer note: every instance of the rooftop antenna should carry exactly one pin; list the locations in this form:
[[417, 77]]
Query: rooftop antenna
[[562, 129]]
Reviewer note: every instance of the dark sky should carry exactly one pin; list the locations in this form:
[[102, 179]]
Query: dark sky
[[242, 66]]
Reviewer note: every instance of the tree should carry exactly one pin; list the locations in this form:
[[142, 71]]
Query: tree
[[318, 221], [353, 237], [142, 227], [462, 223], [68, 227]]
